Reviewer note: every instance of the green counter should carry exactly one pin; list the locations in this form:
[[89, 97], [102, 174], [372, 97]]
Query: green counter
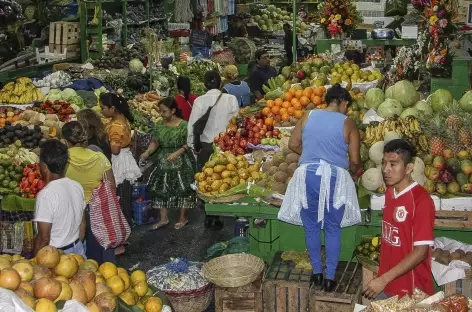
[[276, 235], [324, 45]]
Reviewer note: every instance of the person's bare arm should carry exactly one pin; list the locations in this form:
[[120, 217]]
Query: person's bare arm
[[110, 177], [295, 142], [150, 150], [83, 228], [377, 285], [351, 134], [43, 237]]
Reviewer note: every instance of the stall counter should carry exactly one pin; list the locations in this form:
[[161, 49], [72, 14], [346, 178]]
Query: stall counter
[[324, 45]]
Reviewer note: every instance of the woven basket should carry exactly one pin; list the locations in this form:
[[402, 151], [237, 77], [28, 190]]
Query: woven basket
[[234, 270], [191, 301], [221, 200]]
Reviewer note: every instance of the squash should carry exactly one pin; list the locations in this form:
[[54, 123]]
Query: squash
[[52, 132]]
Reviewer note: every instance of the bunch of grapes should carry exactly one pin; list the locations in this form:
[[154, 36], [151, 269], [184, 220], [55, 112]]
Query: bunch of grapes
[[179, 265]]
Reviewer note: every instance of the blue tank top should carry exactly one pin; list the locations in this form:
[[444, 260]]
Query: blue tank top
[[241, 92], [323, 138]]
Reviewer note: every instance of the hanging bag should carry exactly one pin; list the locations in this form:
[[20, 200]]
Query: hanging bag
[[200, 125], [107, 221]]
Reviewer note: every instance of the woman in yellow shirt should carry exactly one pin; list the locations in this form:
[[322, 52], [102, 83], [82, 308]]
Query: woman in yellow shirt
[[88, 168]]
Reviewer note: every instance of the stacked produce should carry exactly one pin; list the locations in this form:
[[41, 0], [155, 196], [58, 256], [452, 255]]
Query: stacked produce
[[8, 114], [26, 136], [52, 277], [54, 80], [10, 12], [279, 170], [22, 91], [225, 171], [195, 71], [370, 249], [31, 183], [271, 18], [445, 257], [119, 57], [147, 104]]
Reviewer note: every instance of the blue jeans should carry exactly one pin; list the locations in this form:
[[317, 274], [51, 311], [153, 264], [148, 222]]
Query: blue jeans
[[77, 249], [332, 225]]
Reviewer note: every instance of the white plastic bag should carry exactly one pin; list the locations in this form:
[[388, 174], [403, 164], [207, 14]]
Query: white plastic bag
[[10, 302]]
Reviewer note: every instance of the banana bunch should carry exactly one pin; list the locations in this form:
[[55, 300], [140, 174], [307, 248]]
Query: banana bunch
[[22, 91], [273, 84], [408, 128]]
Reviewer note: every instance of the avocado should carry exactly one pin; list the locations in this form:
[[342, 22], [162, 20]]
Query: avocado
[[19, 133], [18, 127], [7, 141]]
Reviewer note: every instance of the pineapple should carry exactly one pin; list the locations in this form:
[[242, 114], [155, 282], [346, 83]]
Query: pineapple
[[465, 132], [435, 132], [452, 141], [453, 113]]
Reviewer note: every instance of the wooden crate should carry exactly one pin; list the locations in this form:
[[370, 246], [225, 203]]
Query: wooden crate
[[463, 286], [346, 296], [72, 49], [64, 33], [285, 289], [241, 299], [369, 272]]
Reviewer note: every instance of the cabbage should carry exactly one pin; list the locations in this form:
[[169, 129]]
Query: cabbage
[[389, 108], [76, 100], [374, 97], [54, 95], [440, 99], [424, 108], [68, 93], [405, 93], [136, 66], [389, 93], [410, 111], [465, 102]]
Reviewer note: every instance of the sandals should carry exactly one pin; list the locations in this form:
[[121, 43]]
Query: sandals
[[180, 225], [158, 226]]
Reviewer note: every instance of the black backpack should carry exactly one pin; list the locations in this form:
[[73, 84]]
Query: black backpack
[[200, 125]]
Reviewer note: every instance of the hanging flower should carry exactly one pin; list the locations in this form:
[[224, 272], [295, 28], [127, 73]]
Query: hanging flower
[[331, 17], [327, 12], [435, 8], [441, 13], [444, 52], [338, 17], [323, 20], [348, 22], [443, 23], [433, 19], [335, 10]]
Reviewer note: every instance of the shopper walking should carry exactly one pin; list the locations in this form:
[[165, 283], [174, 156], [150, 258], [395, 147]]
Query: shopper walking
[[210, 114], [95, 131], [88, 168], [234, 86], [184, 98], [321, 193], [170, 180], [125, 168]]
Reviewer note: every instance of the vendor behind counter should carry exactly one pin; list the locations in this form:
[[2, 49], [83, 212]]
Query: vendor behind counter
[[261, 73]]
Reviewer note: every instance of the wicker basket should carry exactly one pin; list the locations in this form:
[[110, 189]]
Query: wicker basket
[[221, 200], [197, 300], [234, 270]]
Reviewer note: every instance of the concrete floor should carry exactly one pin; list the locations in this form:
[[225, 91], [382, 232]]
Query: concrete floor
[[149, 249]]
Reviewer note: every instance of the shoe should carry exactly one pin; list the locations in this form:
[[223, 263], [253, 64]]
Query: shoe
[[329, 285], [217, 224], [208, 222], [316, 279]]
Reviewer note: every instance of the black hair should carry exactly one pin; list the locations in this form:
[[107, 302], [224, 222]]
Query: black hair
[[54, 155], [170, 103], [260, 53], [286, 25], [403, 148], [212, 80], [183, 83], [337, 94], [118, 102], [74, 133]]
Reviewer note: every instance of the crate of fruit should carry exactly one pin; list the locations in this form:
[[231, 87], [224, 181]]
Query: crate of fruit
[[368, 251]]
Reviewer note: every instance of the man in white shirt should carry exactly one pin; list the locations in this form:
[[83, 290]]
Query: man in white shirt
[[225, 106], [59, 211]]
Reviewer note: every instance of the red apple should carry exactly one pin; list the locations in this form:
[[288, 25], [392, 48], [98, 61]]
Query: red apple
[[269, 134]]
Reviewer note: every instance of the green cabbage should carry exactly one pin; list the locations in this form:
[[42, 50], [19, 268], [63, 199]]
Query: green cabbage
[[410, 111], [136, 66], [389, 108], [465, 102], [54, 95], [440, 99], [76, 100], [405, 92], [374, 97], [424, 108], [68, 93]]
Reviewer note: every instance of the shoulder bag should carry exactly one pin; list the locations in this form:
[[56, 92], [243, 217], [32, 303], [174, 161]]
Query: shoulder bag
[[200, 125]]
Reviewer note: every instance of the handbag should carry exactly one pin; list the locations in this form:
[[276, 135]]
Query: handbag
[[107, 221], [200, 125]]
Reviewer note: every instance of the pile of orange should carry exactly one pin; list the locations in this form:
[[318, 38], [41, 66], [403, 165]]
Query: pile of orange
[[293, 104]]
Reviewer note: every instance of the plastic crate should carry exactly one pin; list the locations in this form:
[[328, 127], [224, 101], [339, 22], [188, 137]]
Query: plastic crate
[[142, 212]]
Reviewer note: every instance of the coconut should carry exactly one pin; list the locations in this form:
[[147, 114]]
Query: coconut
[[291, 169], [272, 170], [292, 158], [283, 167], [10, 279], [25, 269], [106, 302], [278, 158], [280, 176], [455, 255], [266, 166], [66, 292], [48, 256], [87, 279], [67, 266], [40, 271], [78, 292], [279, 187], [48, 288]]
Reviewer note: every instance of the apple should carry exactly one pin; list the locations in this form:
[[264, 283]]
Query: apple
[[256, 129], [256, 141], [269, 134], [265, 141], [262, 132], [257, 135], [243, 143], [273, 141], [276, 132], [251, 134], [240, 151]]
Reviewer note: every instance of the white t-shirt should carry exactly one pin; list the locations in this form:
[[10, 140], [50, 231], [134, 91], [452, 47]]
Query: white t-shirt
[[62, 204]]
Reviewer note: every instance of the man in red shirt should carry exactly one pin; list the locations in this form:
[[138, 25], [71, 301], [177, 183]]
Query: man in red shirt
[[407, 228]]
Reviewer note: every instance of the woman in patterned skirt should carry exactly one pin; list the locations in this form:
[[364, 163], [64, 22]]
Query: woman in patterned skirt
[[170, 180]]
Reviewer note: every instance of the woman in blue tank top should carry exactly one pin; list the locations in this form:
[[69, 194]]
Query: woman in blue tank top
[[324, 138], [234, 86]]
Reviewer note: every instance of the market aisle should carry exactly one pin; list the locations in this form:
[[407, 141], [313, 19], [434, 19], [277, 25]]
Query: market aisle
[[149, 249]]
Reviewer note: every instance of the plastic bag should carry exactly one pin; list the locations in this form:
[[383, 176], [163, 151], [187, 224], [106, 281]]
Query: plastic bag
[[215, 250], [237, 245], [454, 303], [387, 305]]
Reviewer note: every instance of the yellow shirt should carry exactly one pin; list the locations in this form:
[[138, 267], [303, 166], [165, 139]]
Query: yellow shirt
[[87, 168], [119, 133]]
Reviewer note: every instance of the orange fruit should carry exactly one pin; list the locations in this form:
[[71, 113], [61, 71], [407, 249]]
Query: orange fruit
[[304, 100], [318, 91], [323, 89], [288, 96], [294, 100], [298, 94], [298, 114], [278, 102], [266, 111], [292, 91], [283, 111], [291, 111], [307, 92], [285, 117], [286, 104], [316, 100], [298, 106], [270, 103], [277, 118], [269, 121], [275, 110], [322, 106]]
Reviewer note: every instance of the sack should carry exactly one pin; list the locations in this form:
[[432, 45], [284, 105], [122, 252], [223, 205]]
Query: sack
[[200, 125], [107, 222]]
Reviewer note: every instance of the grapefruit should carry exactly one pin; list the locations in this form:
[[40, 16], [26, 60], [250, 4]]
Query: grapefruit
[[141, 288], [106, 302], [66, 292], [108, 270], [128, 298], [67, 266], [10, 279], [4, 263], [153, 304], [45, 305], [78, 292], [116, 284], [138, 275], [25, 269], [48, 256], [26, 287], [48, 288], [126, 279]]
